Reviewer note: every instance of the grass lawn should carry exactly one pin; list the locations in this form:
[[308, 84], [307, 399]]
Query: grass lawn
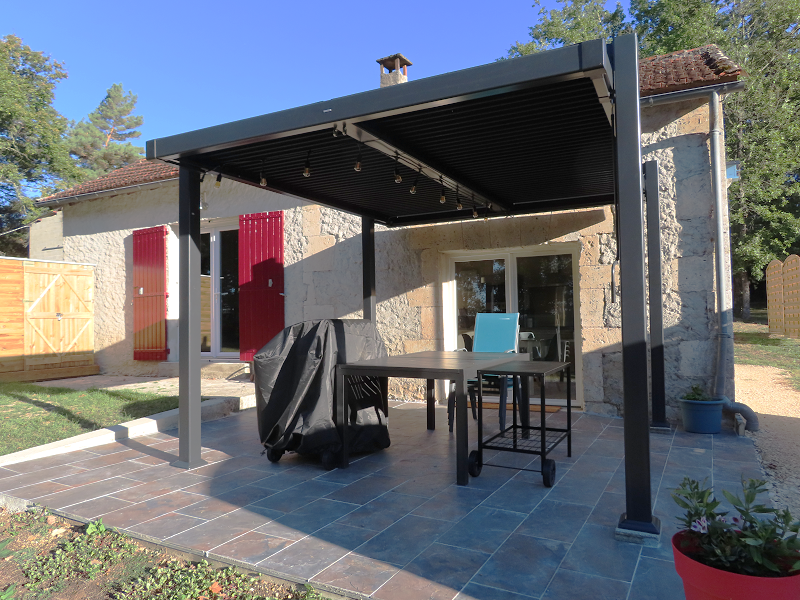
[[32, 415], [754, 346]]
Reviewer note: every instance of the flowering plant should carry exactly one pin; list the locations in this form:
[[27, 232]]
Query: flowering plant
[[760, 541]]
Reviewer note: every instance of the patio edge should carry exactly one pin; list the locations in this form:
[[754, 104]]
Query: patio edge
[[211, 410]]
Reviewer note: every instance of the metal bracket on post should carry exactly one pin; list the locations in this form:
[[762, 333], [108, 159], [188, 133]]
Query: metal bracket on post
[[659, 422], [637, 523]]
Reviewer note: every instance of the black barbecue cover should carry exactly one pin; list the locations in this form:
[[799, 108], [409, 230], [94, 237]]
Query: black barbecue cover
[[295, 381]]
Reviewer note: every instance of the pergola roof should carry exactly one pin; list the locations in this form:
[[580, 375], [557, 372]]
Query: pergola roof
[[526, 135]]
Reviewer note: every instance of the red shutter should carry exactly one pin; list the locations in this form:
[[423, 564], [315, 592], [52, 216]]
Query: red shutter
[[260, 262], [150, 293]]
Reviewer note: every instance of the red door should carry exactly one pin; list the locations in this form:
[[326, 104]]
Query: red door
[[260, 281], [150, 293]]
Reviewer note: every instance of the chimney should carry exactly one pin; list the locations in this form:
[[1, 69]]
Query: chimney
[[392, 65]]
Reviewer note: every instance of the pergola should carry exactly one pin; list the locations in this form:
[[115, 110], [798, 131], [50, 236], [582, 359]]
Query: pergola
[[558, 130]]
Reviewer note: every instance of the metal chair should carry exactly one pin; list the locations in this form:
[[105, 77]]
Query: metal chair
[[494, 332]]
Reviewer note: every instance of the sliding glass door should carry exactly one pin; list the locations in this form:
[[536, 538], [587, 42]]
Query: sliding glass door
[[219, 293], [539, 284]]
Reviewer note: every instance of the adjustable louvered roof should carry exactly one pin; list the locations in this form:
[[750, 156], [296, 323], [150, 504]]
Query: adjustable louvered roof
[[526, 135]]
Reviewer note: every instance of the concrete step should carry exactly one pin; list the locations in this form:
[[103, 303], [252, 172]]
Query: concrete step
[[210, 370]]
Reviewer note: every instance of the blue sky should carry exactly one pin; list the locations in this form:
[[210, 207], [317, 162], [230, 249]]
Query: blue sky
[[196, 64]]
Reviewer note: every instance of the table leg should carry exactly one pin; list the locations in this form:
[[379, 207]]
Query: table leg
[[462, 441], [569, 411], [543, 422], [431, 405], [525, 405], [341, 421]]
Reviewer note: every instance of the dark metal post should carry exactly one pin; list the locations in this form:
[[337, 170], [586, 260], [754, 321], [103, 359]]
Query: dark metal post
[[639, 514], [189, 325], [368, 257], [657, 385]]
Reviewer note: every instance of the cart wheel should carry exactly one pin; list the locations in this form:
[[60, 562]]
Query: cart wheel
[[328, 460], [274, 455], [548, 472], [474, 465]]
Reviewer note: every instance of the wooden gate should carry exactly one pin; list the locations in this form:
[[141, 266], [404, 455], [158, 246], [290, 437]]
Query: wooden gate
[[47, 307], [775, 296], [791, 296]]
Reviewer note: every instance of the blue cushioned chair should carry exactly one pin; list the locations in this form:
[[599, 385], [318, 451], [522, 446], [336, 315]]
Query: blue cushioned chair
[[494, 332]]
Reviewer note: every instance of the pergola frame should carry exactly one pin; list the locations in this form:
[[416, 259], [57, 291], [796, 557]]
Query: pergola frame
[[232, 150]]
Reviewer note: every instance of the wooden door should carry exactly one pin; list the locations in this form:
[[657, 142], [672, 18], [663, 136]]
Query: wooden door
[[58, 315]]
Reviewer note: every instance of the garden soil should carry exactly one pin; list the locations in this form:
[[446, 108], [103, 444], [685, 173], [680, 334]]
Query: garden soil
[[767, 391]]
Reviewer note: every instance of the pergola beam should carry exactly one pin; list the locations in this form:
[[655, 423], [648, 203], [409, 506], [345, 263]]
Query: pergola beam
[[414, 160]]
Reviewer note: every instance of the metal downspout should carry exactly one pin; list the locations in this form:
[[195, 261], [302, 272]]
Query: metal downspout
[[725, 335]]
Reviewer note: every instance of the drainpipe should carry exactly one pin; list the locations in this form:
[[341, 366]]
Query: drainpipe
[[725, 335]]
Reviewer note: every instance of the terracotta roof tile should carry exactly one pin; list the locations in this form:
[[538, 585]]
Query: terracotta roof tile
[[137, 173], [680, 70], [686, 69]]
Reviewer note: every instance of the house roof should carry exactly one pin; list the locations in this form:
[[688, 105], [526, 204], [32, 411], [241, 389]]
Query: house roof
[[672, 72], [140, 172], [686, 69]]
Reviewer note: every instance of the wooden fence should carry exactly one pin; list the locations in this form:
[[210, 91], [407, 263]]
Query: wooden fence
[[783, 296], [46, 320]]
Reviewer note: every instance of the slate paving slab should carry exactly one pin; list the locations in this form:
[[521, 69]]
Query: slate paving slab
[[394, 525]]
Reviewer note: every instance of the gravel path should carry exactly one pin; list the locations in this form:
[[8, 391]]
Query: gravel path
[[767, 391]]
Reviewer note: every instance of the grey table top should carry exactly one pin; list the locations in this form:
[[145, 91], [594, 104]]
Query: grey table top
[[435, 360], [525, 367]]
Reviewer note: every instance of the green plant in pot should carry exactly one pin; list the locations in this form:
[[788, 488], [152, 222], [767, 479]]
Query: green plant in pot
[[755, 554], [700, 412]]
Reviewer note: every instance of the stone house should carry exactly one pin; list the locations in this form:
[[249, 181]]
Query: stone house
[[555, 269]]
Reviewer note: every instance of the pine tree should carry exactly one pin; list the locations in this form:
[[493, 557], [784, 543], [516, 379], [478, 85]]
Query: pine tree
[[100, 144]]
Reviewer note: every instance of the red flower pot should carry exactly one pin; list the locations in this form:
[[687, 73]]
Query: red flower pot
[[701, 582]]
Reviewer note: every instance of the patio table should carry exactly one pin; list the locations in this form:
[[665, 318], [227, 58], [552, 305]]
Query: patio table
[[430, 365]]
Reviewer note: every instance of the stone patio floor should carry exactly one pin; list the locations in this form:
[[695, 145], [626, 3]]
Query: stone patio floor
[[394, 525]]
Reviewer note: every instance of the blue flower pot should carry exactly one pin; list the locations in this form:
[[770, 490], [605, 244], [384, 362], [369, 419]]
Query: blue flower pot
[[702, 416]]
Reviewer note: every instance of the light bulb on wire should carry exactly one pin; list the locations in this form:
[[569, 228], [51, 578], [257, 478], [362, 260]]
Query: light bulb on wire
[[357, 167], [443, 197], [218, 182], [307, 167], [413, 189], [397, 177]]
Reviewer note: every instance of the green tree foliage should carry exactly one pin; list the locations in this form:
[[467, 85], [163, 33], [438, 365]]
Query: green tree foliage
[[762, 123], [99, 145], [33, 155], [577, 21]]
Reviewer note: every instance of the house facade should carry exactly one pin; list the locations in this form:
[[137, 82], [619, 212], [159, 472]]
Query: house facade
[[269, 260]]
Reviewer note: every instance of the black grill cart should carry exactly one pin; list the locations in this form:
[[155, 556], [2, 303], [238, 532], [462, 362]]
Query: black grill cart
[[520, 437]]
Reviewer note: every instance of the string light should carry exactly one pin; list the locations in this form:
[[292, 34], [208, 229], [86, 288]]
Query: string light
[[261, 176], [474, 213], [459, 206], [218, 182], [357, 167], [397, 177], [443, 197], [413, 189], [307, 167]]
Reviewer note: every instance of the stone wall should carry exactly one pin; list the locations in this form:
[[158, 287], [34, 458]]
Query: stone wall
[[323, 265]]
